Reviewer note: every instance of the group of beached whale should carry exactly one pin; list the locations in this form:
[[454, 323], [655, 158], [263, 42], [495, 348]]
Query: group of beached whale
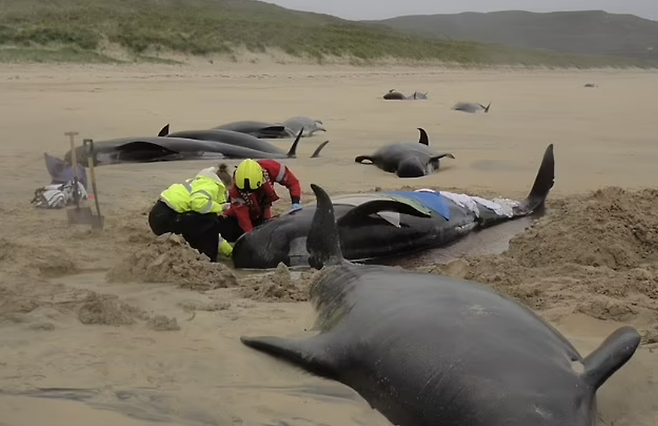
[[471, 107], [423, 349], [236, 140], [245, 139]]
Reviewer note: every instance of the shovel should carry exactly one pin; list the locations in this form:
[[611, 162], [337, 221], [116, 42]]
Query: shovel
[[96, 221], [77, 215]]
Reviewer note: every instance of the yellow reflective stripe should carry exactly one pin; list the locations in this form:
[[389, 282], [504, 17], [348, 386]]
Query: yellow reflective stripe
[[282, 173], [208, 205]]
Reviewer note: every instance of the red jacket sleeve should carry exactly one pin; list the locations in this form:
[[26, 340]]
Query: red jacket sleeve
[[240, 210], [282, 175]]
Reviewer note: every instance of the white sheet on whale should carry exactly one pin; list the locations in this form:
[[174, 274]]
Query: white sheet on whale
[[501, 206]]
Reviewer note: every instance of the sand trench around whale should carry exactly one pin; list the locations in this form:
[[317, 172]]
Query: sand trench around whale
[[121, 327]]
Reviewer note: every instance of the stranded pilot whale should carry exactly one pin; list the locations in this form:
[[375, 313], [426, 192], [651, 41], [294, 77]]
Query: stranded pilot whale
[[259, 129], [387, 223], [242, 145], [470, 107], [406, 159], [307, 125], [426, 349], [394, 95]]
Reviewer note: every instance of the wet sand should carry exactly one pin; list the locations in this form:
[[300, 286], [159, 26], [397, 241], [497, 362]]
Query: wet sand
[[161, 353]]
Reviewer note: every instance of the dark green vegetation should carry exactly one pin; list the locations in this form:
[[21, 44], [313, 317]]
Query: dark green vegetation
[[113, 30], [591, 32]]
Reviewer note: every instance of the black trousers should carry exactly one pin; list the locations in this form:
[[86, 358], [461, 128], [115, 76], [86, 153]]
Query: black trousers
[[201, 231], [229, 228]]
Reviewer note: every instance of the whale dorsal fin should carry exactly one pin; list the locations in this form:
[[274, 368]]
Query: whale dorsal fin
[[423, 138], [164, 131], [292, 152], [610, 356], [322, 242]]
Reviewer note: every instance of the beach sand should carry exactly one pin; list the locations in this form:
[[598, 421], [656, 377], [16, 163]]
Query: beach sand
[[117, 327]]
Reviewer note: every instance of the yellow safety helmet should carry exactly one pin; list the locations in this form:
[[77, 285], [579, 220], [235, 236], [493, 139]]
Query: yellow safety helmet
[[248, 175]]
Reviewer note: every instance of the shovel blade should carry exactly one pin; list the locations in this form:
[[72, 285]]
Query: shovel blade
[[97, 222], [84, 216], [80, 215]]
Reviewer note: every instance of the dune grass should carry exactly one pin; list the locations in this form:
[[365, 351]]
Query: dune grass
[[90, 30]]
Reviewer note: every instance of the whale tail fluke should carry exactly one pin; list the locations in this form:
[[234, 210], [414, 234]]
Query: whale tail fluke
[[543, 183], [486, 109]]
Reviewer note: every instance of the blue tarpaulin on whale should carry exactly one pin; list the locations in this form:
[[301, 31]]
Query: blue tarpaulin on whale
[[432, 200]]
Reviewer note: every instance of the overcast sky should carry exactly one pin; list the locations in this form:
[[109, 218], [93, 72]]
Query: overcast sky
[[379, 9]]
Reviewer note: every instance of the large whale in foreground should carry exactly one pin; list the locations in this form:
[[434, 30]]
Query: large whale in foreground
[[385, 223], [427, 350]]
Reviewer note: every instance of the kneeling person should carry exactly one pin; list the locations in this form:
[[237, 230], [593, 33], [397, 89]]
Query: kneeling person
[[191, 209], [252, 195]]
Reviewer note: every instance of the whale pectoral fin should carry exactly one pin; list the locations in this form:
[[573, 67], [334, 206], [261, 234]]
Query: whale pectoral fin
[[361, 158], [610, 356], [310, 354], [377, 206], [440, 156], [164, 131]]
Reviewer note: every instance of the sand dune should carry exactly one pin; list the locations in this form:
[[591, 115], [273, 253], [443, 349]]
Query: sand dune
[[114, 329]]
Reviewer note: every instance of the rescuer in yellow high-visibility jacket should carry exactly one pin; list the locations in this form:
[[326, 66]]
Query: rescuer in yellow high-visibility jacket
[[191, 209]]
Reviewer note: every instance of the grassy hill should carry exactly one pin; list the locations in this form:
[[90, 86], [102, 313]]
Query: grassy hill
[[109, 30], [591, 32]]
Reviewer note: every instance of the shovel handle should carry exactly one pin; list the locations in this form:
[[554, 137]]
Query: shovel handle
[[74, 165], [89, 145]]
